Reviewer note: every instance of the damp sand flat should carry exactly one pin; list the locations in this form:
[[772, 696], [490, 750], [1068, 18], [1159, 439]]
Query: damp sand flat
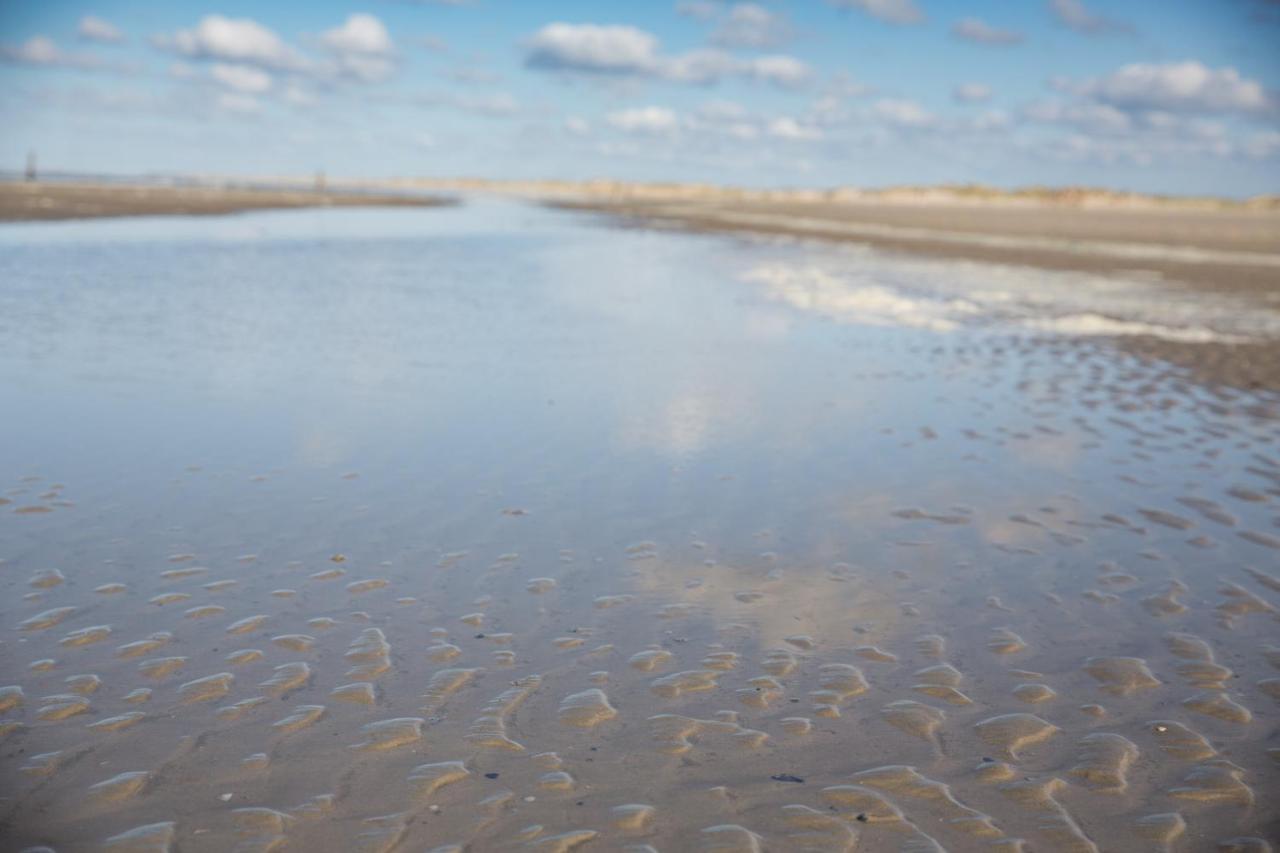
[[44, 201], [1224, 250], [503, 530], [1235, 248]]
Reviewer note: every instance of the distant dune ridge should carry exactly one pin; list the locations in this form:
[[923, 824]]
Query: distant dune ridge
[[941, 194]]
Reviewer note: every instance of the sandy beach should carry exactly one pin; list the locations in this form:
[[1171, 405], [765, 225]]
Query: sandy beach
[[43, 200], [1232, 247]]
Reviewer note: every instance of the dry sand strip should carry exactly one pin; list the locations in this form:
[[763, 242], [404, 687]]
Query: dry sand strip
[[1237, 249], [39, 200]]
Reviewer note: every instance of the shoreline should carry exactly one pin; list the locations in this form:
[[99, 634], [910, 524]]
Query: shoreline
[[1235, 250], [38, 201]]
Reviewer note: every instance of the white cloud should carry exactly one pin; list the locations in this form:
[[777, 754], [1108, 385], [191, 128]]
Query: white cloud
[[1090, 117], [577, 125], [752, 26], [1140, 150], [785, 71], [786, 127], [627, 51], [360, 33], [1074, 14], [890, 11], [361, 48], [726, 118], [239, 40], [702, 67], [42, 51], [92, 28], [37, 50], [1102, 133], [644, 120], [904, 113], [1179, 87], [706, 67], [592, 48], [977, 30], [970, 92], [731, 119], [241, 78]]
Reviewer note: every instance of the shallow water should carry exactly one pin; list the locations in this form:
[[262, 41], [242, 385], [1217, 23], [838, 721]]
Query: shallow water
[[495, 526]]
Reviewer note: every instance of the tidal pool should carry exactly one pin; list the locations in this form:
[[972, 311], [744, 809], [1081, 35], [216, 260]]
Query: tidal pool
[[495, 526]]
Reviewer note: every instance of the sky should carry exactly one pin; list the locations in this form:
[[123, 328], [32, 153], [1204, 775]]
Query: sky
[[1166, 96]]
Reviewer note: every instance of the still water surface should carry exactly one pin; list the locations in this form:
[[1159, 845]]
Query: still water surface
[[496, 526]]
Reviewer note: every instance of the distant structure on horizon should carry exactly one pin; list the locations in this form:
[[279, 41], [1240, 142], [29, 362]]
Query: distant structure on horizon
[[30, 173]]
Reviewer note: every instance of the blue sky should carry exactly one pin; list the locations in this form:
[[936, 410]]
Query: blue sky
[[1178, 97]]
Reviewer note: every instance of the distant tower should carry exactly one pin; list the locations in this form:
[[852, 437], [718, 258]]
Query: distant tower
[[320, 180], [31, 165]]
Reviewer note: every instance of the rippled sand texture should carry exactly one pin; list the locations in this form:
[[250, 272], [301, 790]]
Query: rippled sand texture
[[944, 592]]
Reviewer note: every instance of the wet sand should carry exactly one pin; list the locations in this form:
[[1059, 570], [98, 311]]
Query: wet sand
[[625, 552], [1234, 250], [51, 201]]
